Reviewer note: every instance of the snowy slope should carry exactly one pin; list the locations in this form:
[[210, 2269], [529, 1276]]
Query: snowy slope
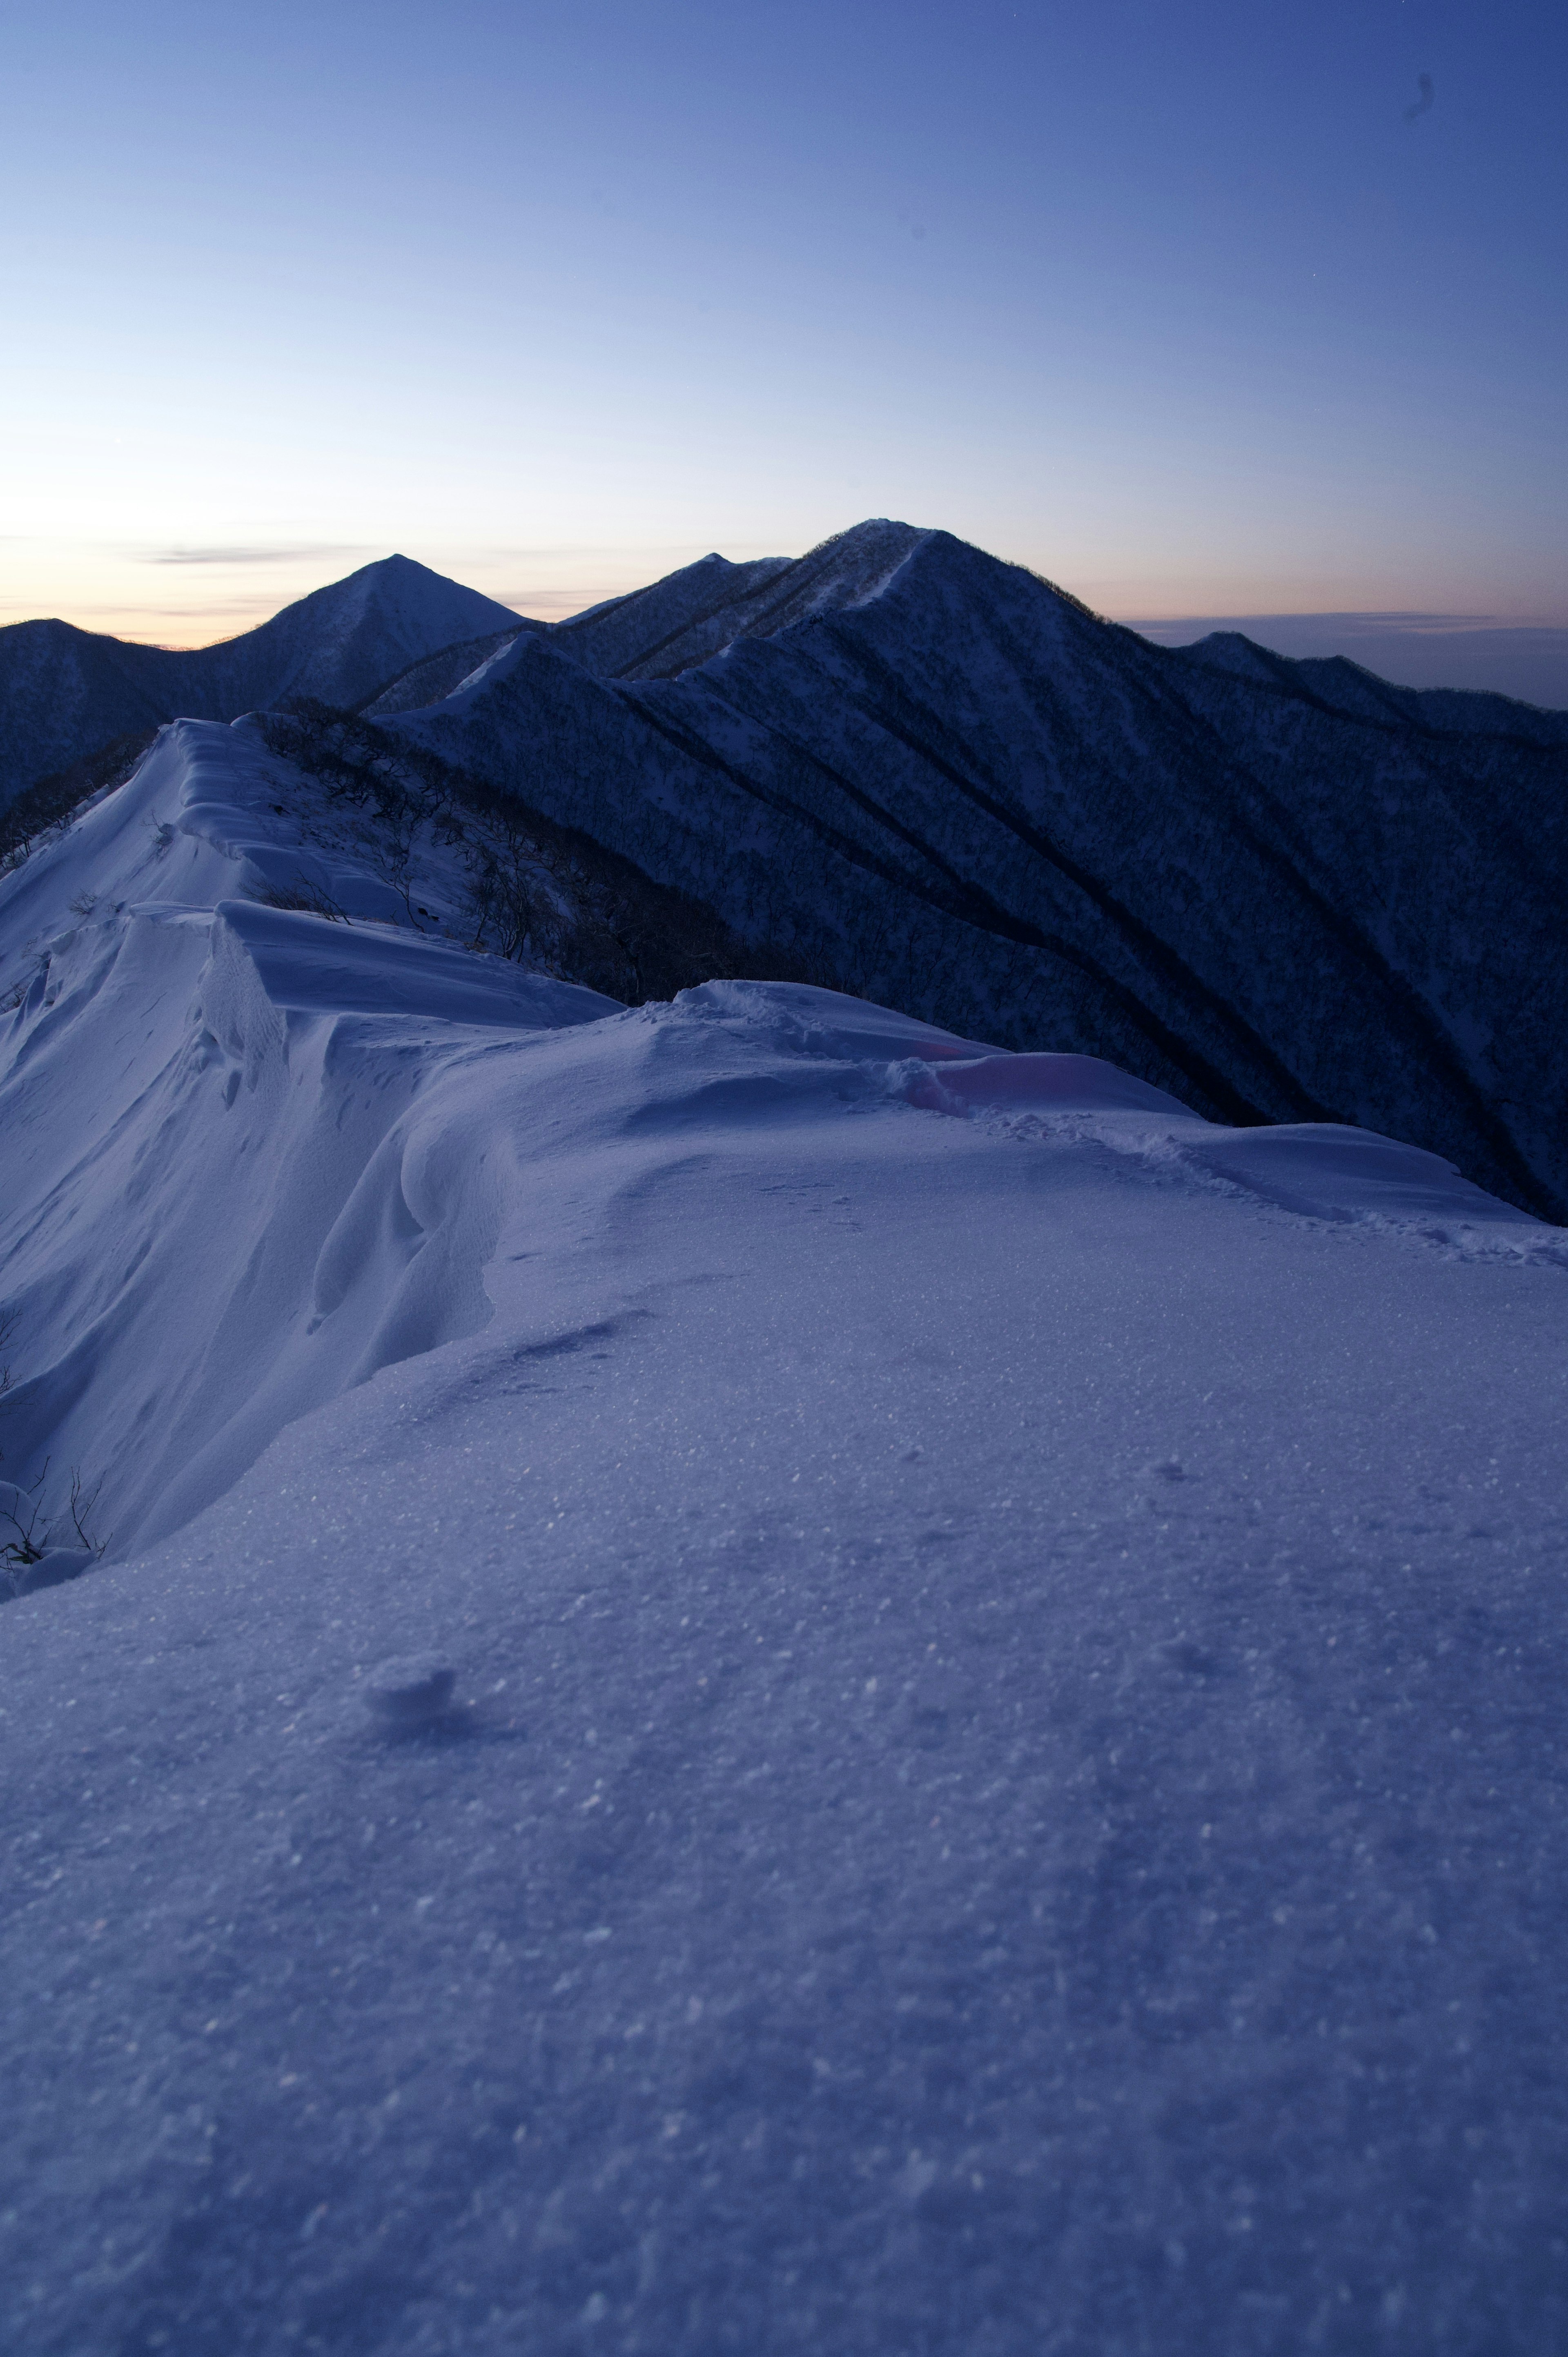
[[436, 677], [64, 692], [341, 641], [682, 620], [862, 1694], [274, 1052], [953, 788]]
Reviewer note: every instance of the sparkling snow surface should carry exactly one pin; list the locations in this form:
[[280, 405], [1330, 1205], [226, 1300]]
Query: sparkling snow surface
[[804, 1689]]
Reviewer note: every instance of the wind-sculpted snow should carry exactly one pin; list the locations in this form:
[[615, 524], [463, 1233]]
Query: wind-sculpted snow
[[65, 692], [953, 788], [305, 967], [766, 1679], [276, 1054], [1321, 1170]]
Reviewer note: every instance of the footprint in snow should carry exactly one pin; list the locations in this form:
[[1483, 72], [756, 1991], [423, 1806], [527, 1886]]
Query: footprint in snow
[[410, 1693], [1193, 1660]]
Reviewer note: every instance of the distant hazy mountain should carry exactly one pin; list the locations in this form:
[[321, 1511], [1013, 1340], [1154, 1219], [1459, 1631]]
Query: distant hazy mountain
[[1284, 890], [1347, 687], [1508, 659], [64, 692]]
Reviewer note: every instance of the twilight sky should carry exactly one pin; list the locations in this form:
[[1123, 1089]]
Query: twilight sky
[[1199, 307]]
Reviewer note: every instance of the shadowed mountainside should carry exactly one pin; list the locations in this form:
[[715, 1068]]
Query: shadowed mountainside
[[1284, 891], [65, 692]]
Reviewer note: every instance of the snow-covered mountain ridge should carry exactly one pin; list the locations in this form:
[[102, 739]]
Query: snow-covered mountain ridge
[[1280, 890], [766, 1679], [282, 1039], [65, 692]]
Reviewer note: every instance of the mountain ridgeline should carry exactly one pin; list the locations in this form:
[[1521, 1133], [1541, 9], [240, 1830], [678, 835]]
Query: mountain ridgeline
[[1282, 890], [64, 694]]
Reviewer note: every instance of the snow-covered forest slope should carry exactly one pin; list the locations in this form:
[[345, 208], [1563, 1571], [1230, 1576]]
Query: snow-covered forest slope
[[1282, 890], [763, 1678], [65, 692]]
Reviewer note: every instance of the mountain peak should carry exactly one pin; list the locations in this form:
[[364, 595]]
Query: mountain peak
[[64, 693]]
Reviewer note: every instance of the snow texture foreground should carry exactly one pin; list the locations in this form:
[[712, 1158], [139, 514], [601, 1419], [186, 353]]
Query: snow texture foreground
[[765, 1681]]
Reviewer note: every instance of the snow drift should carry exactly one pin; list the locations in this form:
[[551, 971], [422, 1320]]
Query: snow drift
[[766, 1679], [352, 1095]]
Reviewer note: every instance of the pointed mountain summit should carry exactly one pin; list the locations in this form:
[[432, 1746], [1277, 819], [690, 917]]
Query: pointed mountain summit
[[1280, 893], [690, 616], [65, 690], [341, 641]]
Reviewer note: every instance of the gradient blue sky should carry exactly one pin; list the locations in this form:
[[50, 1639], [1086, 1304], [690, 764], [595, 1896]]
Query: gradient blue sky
[[1173, 303]]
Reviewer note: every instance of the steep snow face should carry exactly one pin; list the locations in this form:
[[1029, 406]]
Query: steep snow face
[[863, 1694], [172, 1049], [64, 692], [957, 791]]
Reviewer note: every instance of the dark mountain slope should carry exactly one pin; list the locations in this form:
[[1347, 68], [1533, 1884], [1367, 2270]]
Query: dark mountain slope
[[690, 616], [672, 623], [966, 796], [64, 692], [434, 677], [1337, 684], [694, 614]]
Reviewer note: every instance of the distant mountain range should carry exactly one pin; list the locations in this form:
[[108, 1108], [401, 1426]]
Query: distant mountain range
[[1283, 890], [65, 692], [1528, 660]]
